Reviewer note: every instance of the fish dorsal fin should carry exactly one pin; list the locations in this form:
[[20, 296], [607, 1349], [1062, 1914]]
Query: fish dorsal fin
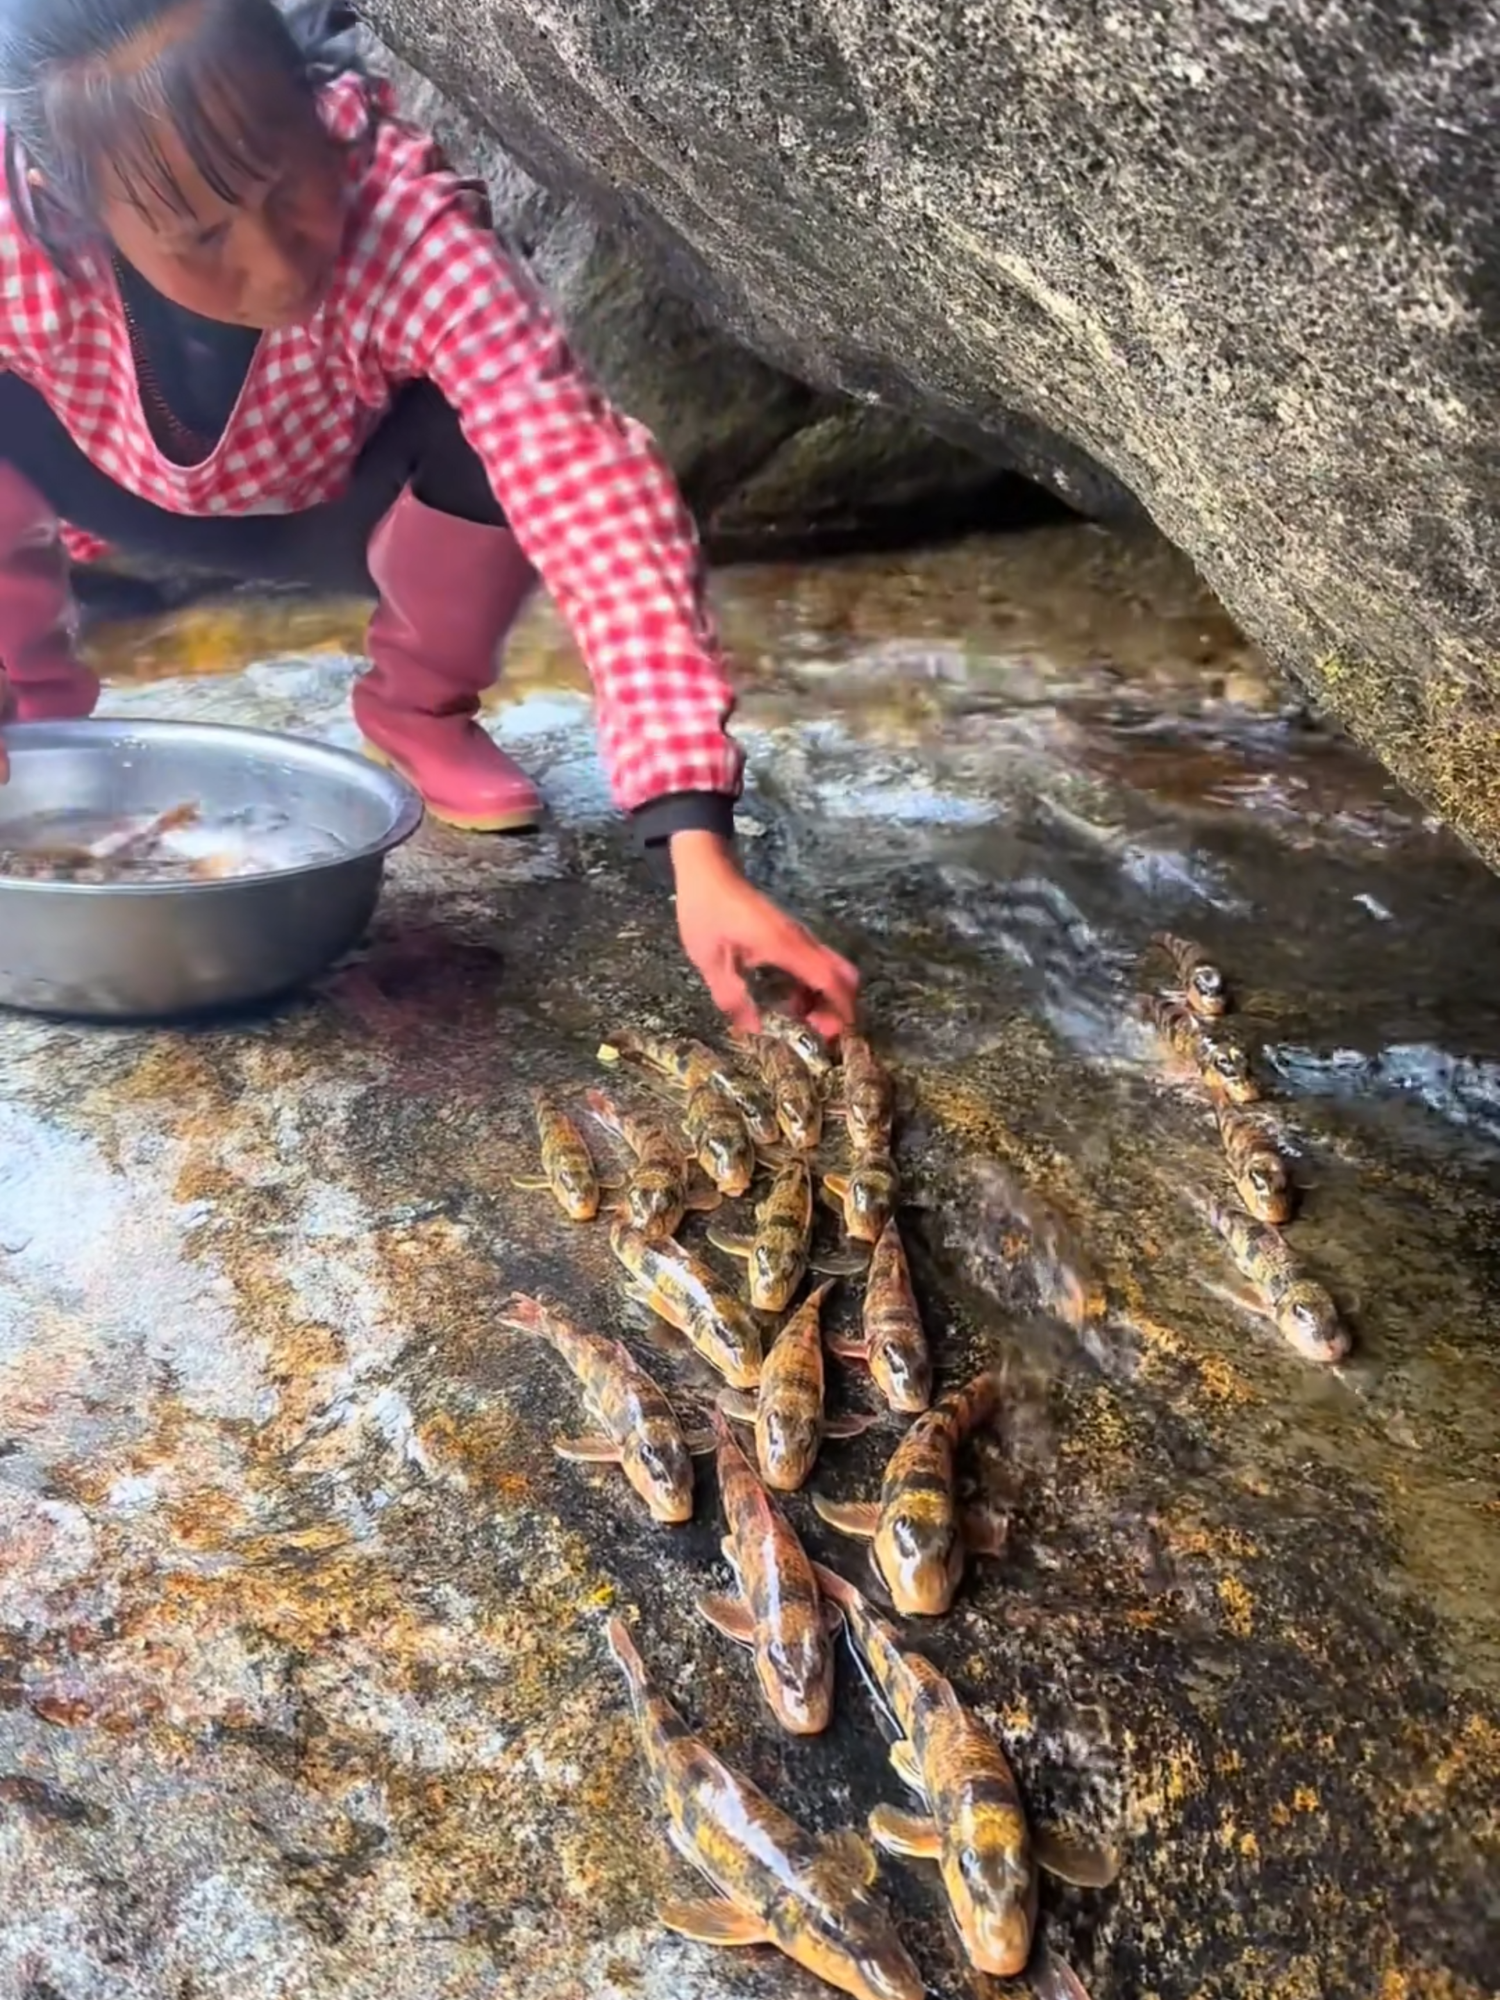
[[851, 1851]]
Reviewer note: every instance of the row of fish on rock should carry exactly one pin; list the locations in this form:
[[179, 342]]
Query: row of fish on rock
[[809, 1895], [1301, 1309]]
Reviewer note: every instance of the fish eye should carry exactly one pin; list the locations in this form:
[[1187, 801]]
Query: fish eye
[[971, 1867], [908, 1537], [1207, 979]]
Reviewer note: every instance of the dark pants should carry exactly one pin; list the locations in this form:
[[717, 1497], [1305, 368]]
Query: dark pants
[[418, 443]]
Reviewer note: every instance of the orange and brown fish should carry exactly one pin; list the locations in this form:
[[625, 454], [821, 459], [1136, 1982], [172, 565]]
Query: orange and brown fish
[[803, 1040], [567, 1165], [777, 1252], [892, 1344], [778, 1613], [691, 1065], [920, 1541], [866, 1195], [658, 1190], [807, 1894], [869, 1097], [688, 1296], [1200, 981], [1221, 1062], [638, 1428], [1301, 1310], [1260, 1173], [975, 1825], [795, 1090], [787, 1411]]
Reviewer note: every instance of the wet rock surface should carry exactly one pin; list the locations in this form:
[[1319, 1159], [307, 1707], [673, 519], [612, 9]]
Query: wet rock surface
[[765, 461], [1239, 257], [302, 1688]]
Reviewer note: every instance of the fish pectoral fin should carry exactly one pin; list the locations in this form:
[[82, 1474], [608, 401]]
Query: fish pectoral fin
[[838, 1263], [833, 1618], [985, 1532], [1087, 1864], [911, 1834], [702, 1198], [904, 1763], [835, 1187], [848, 1347], [531, 1183], [849, 1517], [730, 1243], [729, 1616], [852, 1851], [700, 1443], [589, 1450], [736, 1404], [711, 1920], [852, 1426]]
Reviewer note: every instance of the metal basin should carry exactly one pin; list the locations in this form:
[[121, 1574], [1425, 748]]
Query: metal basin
[[151, 950]]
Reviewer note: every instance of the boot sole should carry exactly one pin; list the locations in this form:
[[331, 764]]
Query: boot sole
[[523, 820]]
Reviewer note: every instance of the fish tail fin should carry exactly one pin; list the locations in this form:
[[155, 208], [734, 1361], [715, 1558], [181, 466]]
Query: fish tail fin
[[838, 1589], [522, 1313], [605, 1110], [626, 1658]]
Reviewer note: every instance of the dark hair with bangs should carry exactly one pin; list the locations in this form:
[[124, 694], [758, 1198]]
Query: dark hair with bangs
[[70, 103]]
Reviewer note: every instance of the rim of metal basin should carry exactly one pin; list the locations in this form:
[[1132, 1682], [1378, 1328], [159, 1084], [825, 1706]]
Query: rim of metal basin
[[401, 798]]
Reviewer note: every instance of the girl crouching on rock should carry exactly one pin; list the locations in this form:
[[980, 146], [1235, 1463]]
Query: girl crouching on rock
[[251, 324]]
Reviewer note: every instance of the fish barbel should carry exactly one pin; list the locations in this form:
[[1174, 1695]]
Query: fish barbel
[[638, 1427], [866, 1195], [806, 1894], [869, 1097], [892, 1344], [567, 1165], [1259, 1171], [799, 1102], [1301, 1310], [656, 1189], [777, 1253], [975, 1825], [920, 1543], [689, 1297], [778, 1613], [787, 1411], [1203, 985], [805, 1042]]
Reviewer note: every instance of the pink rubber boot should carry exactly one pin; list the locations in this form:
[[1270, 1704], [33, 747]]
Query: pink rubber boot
[[38, 620], [450, 590]]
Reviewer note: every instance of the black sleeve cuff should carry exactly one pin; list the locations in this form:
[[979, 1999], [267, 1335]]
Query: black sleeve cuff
[[679, 812]]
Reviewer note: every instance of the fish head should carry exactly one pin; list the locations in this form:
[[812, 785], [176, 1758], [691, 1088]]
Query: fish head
[[658, 1465], [920, 1554], [652, 1208], [904, 1376], [773, 1278], [728, 1162], [1207, 985], [788, 1441], [991, 1882], [862, 1955], [1229, 1067], [1309, 1319], [577, 1192], [1266, 1188], [796, 1675], [868, 1203]]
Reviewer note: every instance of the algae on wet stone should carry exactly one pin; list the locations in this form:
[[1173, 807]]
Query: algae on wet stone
[[307, 1614]]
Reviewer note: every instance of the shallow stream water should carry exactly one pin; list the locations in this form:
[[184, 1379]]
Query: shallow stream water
[[302, 1687]]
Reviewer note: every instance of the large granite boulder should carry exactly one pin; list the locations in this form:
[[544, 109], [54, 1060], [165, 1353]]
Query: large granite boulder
[[1243, 256], [767, 462]]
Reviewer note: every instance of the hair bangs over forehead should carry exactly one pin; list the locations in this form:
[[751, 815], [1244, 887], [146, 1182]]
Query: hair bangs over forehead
[[222, 85]]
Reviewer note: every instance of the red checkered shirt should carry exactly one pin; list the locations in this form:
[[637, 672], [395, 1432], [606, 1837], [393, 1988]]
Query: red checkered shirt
[[422, 290]]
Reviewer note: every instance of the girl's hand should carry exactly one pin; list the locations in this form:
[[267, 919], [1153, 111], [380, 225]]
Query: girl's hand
[[727, 927]]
